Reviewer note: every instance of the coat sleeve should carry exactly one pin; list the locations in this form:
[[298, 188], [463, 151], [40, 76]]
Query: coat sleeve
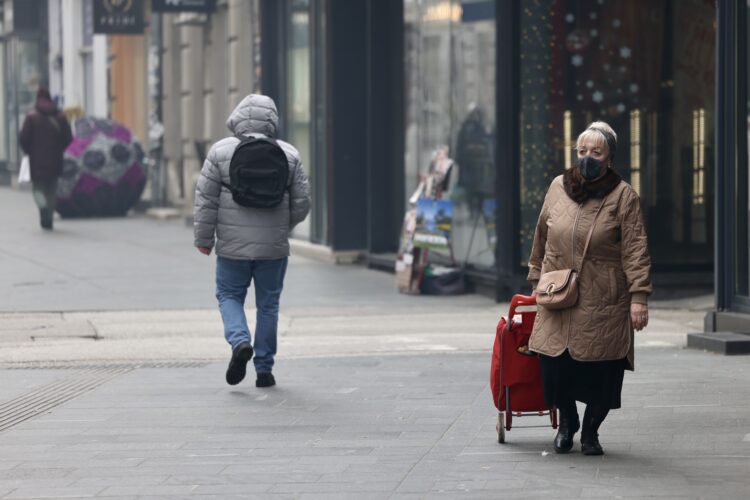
[[25, 136], [206, 208], [299, 193], [636, 262], [540, 241]]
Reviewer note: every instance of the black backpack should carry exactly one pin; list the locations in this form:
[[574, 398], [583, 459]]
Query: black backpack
[[258, 173]]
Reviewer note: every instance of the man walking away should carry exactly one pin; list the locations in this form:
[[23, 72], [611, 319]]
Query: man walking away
[[44, 136], [251, 192]]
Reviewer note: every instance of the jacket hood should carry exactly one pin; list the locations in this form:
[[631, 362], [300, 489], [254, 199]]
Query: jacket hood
[[255, 114], [44, 102]]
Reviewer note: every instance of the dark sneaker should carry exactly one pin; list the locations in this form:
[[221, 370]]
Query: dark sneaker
[[238, 364], [265, 380], [46, 218]]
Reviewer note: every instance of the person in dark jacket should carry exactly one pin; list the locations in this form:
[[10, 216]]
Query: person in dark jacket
[[44, 136]]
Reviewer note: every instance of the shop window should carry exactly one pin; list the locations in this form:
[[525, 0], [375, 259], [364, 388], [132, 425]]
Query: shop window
[[302, 100], [450, 96], [298, 124], [647, 68]]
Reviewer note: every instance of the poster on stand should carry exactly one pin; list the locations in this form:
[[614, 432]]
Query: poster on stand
[[434, 224]]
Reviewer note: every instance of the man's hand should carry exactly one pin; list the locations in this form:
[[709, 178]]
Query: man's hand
[[639, 316], [204, 250]]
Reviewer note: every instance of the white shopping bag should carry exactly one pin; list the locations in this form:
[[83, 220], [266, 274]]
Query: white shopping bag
[[24, 173]]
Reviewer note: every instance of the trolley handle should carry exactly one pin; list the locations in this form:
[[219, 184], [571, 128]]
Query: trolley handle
[[520, 301]]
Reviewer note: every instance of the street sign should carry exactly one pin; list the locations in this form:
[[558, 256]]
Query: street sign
[[118, 16], [203, 6]]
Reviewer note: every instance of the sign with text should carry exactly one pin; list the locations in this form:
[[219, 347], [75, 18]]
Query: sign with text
[[118, 17], [203, 6]]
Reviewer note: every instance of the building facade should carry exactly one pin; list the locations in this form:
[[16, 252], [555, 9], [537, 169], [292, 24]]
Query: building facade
[[372, 88], [209, 62], [367, 90], [50, 43]]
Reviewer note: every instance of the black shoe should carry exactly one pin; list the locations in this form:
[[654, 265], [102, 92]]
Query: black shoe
[[238, 364], [590, 445], [46, 217], [265, 380], [568, 427]]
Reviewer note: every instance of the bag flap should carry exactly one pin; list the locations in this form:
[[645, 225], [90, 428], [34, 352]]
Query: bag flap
[[554, 281]]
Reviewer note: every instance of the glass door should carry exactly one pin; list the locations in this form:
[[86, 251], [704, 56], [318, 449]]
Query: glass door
[[450, 65], [25, 73], [304, 104], [298, 79]]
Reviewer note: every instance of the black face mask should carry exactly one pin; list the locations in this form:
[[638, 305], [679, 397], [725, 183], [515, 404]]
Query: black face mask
[[590, 168]]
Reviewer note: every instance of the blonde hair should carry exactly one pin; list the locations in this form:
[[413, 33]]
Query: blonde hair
[[602, 135]]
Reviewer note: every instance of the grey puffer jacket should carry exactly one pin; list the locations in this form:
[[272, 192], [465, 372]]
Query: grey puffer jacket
[[243, 233]]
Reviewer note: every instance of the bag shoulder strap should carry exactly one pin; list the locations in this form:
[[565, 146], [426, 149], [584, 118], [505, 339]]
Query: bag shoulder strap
[[591, 233], [54, 122]]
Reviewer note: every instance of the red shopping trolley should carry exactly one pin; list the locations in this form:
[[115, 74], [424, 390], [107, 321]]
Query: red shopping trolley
[[515, 375]]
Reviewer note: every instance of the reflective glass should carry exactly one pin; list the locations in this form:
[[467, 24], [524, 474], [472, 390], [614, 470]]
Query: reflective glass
[[450, 96], [647, 68], [298, 125]]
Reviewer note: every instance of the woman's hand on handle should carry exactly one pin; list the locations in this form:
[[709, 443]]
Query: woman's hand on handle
[[639, 316]]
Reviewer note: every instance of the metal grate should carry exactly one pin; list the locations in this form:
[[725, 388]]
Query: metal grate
[[86, 378], [48, 396], [78, 365]]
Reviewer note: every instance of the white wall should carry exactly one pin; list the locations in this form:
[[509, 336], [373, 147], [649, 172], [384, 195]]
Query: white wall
[[72, 43], [55, 49], [100, 99]]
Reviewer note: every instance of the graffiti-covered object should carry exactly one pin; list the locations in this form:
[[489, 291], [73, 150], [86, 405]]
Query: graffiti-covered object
[[103, 170]]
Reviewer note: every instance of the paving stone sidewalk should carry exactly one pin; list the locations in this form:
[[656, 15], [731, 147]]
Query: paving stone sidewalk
[[398, 427]]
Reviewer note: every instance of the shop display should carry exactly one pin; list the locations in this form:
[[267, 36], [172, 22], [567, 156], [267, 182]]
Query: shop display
[[427, 226]]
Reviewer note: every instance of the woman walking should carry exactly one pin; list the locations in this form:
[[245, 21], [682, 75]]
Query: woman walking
[[590, 223], [44, 136]]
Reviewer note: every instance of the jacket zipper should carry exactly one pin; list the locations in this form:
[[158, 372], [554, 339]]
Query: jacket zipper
[[572, 265]]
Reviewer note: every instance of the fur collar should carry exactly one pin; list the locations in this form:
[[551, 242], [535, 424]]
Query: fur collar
[[579, 190]]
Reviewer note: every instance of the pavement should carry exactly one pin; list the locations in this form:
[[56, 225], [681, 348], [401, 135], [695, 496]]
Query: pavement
[[112, 366]]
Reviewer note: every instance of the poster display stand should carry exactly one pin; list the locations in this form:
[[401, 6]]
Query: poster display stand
[[427, 226]]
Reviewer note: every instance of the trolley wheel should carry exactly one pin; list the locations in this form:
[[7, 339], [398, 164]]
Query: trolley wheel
[[500, 428]]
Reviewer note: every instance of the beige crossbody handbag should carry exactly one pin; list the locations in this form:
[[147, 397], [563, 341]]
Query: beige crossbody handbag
[[559, 289]]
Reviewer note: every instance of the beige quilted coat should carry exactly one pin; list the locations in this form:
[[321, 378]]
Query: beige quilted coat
[[616, 273]]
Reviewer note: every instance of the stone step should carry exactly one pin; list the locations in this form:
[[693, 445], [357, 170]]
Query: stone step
[[720, 342]]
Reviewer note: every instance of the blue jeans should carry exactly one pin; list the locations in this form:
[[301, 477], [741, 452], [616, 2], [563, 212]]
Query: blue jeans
[[233, 278]]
